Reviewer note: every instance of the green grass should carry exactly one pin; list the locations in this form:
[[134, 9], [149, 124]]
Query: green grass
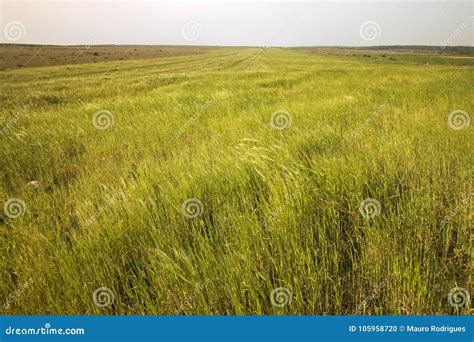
[[280, 208]]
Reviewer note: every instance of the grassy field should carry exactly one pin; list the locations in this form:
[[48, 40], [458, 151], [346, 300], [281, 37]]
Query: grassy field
[[238, 181]]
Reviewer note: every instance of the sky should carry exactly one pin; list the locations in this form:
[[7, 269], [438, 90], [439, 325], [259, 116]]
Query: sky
[[238, 23]]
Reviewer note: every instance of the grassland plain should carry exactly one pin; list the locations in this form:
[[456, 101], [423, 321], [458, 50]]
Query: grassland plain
[[238, 181], [13, 56]]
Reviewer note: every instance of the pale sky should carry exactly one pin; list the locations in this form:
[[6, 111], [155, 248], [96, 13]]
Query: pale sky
[[244, 23]]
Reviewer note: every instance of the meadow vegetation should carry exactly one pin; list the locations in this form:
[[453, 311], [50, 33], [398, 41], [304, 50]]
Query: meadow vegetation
[[275, 200]]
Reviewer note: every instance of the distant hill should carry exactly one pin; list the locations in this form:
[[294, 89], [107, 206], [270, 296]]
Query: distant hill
[[464, 50]]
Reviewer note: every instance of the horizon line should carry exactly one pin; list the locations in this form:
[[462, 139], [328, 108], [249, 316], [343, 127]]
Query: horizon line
[[247, 46]]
